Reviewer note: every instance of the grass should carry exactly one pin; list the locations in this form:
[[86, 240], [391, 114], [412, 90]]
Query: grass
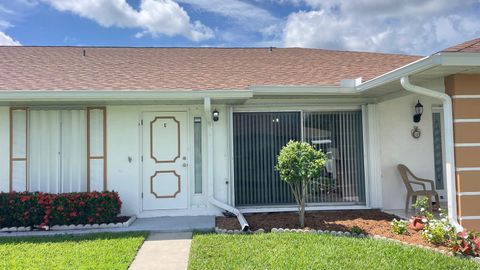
[[92, 251], [312, 251]]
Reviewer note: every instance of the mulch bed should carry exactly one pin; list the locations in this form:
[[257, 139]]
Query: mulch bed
[[373, 222]]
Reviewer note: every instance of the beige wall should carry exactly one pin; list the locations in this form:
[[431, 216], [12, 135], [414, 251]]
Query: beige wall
[[465, 92]]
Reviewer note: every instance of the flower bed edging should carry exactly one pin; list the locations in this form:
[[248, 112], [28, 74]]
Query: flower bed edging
[[75, 227], [346, 234]]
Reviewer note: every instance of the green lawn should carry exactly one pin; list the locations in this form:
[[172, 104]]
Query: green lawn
[[312, 251], [93, 251]]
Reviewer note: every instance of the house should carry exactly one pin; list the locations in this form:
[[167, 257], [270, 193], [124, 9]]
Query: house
[[195, 131]]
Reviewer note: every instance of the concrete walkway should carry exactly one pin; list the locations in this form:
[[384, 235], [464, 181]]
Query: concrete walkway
[[164, 251], [160, 224]]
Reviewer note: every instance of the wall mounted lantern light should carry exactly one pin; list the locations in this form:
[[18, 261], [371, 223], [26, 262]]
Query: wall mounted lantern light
[[418, 112], [215, 115]]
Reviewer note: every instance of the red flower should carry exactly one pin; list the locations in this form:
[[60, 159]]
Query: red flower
[[73, 214], [24, 198]]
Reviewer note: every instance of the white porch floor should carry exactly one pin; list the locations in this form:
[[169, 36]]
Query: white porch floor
[[407, 214]]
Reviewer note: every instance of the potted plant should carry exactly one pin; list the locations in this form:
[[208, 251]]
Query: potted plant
[[422, 216]]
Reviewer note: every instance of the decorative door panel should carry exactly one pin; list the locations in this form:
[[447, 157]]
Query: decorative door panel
[[165, 163]]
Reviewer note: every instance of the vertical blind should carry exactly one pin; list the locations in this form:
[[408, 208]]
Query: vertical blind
[[259, 136], [57, 150]]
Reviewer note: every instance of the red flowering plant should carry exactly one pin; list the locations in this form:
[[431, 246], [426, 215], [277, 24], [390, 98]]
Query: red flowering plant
[[43, 209], [466, 243]]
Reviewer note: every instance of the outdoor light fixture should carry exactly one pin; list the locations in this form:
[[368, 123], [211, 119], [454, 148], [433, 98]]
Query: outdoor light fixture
[[215, 115], [418, 112]]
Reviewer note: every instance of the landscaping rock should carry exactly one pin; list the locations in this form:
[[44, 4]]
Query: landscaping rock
[[260, 231], [274, 230], [347, 234], [361, 235]]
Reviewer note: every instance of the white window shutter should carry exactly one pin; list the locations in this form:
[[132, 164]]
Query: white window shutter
[[18, 149], [96, 149]]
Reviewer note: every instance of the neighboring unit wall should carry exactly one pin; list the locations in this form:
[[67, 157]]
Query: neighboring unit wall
[[465, 92], [397, 145]]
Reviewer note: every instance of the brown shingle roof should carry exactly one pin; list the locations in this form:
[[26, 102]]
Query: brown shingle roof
[[65, 68], [467, 46]]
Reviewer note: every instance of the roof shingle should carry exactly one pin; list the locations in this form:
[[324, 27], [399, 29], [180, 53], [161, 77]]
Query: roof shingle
[[467, 46], [107, 68]]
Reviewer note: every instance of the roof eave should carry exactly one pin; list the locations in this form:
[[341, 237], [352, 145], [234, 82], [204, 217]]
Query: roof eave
[[121, 95], [438, 59]]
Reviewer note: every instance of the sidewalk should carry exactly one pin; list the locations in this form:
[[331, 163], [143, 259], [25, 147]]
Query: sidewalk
[[159, 224], [164, 251]]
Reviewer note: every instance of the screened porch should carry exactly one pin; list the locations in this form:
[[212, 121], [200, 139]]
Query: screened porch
[[259, 136]]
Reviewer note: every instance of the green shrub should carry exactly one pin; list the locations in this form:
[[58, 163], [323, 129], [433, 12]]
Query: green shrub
[[399, 226], [422, 206], [298, 163], [438, 231], [357, 230], [43, 209]]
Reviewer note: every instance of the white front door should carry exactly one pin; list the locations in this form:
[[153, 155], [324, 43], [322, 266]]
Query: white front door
[[165, 174]]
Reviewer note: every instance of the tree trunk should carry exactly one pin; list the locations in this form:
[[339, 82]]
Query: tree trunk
[[302, 207], [302, 214]]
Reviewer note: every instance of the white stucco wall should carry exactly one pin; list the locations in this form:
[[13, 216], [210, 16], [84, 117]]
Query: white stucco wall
[[124, 141], [395, 118]]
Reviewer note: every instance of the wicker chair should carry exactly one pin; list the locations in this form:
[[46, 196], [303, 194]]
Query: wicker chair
[[411, 193]]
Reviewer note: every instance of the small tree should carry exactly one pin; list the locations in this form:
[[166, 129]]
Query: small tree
[[298, 163]]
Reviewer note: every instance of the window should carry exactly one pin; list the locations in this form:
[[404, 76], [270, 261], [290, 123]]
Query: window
[[57, 150], [259, 136], [197, 145]]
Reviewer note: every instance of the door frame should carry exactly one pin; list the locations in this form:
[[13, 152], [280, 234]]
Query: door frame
[[145, 155]]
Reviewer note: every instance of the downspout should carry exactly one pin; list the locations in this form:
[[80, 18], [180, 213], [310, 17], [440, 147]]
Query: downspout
[[211, 199], [449, 145]]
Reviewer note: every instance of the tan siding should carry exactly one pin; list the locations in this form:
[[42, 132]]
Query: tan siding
[[467, 156], [469, 205], [463, 84], [466, 108], [468, 181], [472, 224], [467, 132]]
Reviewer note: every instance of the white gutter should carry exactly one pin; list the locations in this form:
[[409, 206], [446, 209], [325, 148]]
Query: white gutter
[[121, 95], [210, 179], [302, 90], [449, 145]]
